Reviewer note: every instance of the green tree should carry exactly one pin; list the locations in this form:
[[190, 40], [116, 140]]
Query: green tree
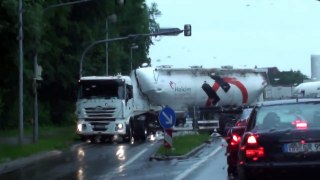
[[286, 78], [59, 36]]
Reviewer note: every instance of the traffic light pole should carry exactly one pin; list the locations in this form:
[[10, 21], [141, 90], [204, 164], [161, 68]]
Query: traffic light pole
[[165, 32]]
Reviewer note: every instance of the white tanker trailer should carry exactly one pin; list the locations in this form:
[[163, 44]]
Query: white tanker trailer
[[307, 89], [122, 106]]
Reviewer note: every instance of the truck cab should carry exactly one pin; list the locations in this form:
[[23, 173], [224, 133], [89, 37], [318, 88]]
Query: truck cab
[[104, 107]]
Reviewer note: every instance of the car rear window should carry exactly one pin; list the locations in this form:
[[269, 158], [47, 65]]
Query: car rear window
[[286, 116]]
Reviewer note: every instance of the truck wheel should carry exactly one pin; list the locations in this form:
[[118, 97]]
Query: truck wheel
[[106, 139], [96, 139], [129, 134], [83, 138], [140, 131]]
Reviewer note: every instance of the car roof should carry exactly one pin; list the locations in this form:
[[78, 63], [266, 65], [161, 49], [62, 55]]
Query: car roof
[[287, 101]]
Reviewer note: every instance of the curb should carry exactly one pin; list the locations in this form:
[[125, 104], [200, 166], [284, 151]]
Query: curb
[[18, 163], [21, 162], [192, 152]]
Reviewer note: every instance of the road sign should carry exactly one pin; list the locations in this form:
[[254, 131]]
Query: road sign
[[167, 118]]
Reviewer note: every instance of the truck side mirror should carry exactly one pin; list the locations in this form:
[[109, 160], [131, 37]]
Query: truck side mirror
[[187, 30]]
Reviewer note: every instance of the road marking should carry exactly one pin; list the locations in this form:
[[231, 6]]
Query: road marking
[[122, 167], [133, 159], [195, 166]]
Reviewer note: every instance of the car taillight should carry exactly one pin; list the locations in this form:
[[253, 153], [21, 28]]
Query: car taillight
[[252, 148], [300, 124], [235, 140], [252, 140], [255, 154]]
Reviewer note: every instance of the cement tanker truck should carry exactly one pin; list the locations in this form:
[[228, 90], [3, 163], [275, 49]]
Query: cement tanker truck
[[127, 107]]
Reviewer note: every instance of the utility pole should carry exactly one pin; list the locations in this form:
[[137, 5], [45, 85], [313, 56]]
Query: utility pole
[[107, 47], [20, 37], [35, 108]]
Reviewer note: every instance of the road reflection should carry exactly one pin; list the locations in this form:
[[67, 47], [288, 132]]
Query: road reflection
[[80, 154], [80, 173], [120, 153]]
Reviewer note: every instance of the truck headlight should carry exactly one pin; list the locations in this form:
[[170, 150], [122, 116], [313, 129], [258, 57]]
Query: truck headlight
[[120, 126], [81, 127]]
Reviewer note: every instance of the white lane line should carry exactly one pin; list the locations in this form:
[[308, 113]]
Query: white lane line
[[121, 168], [195, 166], [133, 159]]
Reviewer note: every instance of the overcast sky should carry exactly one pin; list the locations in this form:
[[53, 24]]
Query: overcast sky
[[241, 33]]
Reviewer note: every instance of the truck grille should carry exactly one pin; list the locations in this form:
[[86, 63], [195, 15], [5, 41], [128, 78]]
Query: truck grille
[[99, 126], [100, 114]]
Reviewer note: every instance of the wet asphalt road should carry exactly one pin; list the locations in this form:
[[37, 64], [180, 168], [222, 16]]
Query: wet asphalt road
[[124, 162]]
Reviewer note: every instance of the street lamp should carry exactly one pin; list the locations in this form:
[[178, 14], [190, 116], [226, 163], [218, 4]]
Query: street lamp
[[133, 46]]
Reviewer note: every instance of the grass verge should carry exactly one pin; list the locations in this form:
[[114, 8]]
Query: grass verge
[[50, 138], [184, 144]]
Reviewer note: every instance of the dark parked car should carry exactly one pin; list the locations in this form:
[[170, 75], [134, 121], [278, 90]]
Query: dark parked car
[[282, 138], [233, 139]]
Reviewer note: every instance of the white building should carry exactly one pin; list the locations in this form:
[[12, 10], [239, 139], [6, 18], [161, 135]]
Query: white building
[[278, 92]]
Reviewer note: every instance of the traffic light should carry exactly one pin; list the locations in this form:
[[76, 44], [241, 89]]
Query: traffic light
[[187, 30]]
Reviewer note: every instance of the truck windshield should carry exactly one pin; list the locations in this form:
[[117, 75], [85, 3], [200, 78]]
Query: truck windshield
[[108, 89]]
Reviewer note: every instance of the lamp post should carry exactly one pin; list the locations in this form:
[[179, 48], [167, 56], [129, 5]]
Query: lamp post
[[133, 46], [20, 37], [111, 18], [107, 47]]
